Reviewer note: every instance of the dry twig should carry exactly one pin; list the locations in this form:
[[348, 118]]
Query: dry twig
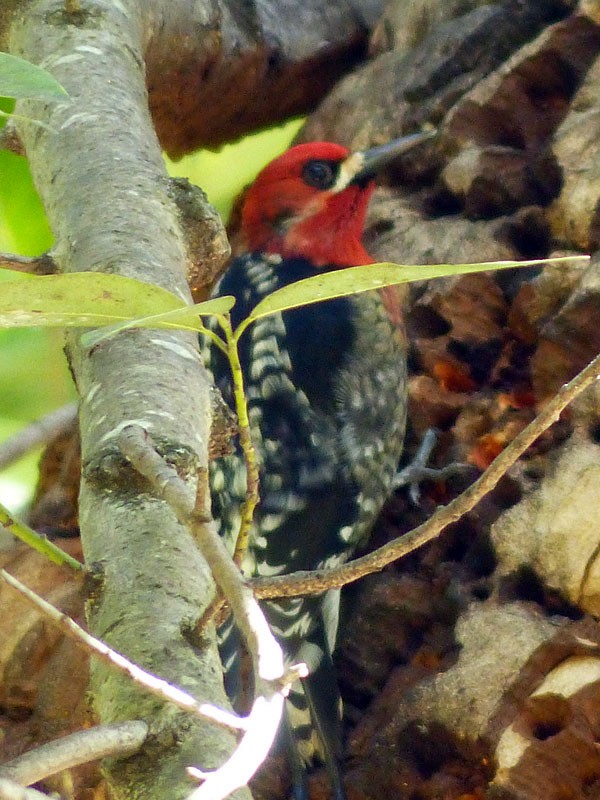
[[119, 740], [37, 434], [301, 583]]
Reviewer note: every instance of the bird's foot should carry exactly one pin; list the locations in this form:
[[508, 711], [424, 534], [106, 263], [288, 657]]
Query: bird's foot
[[417, 471]]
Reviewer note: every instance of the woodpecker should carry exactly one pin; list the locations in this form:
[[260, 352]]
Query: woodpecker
[[326, 393]]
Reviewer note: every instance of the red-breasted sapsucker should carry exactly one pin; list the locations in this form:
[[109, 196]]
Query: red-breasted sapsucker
[[326, 392]]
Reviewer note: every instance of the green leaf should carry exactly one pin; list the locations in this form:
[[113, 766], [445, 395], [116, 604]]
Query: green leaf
[[352, 280], [19, 78], [186, 318], [82, 299]]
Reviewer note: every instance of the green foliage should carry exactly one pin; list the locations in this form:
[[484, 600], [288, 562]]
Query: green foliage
[[353, 280], [23, 225], [22, 80], [7, 106], [84, 299], [91, 299], [24, 355]]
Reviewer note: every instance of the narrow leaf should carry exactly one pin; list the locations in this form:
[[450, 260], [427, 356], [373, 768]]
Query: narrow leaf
[[352, 280], [82, 299], [187, 317], [20, 79]]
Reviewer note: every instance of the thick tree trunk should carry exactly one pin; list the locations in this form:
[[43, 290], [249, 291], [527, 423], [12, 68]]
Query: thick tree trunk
[[99, 170]]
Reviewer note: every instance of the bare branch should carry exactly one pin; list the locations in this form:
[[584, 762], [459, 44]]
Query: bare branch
[[300, 583], [12, 791], [38, 433], [137, 447], [119, 740], [151, 683], [37, 265]]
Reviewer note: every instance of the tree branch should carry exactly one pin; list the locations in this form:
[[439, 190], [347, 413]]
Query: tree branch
[[300, 583], [101, 141], [117, 741], [37, 434], [191, 510]]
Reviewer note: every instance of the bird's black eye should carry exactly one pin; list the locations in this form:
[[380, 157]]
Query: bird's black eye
[[320, 174]]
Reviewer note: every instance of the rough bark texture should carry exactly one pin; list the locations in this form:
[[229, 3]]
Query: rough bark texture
[[217, 69], [239, 65], [471, 670], [510, 716]]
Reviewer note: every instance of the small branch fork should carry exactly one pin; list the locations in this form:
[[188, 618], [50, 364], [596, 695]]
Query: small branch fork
[[229, 347], [271, 679]]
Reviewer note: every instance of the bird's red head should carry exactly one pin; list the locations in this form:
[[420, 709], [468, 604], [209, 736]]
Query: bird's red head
[[310, 202]]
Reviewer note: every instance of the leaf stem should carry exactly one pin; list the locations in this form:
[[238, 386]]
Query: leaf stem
[[214, 337], [37, 541], [241, 407]]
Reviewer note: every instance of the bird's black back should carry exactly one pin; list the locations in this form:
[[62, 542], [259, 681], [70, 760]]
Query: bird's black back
[[326, 391]]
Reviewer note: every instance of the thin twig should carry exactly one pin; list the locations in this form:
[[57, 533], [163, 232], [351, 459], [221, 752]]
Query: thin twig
[[151, 683], [212, 335], [12, 791], [37, 541], [301, 583], [37, 434], [36, 265], [118, 740], [137, 446]]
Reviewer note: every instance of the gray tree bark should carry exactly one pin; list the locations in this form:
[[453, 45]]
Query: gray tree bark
[[99, 170]]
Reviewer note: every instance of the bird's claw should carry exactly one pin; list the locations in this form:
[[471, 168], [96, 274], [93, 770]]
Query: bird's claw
[[413, 474]]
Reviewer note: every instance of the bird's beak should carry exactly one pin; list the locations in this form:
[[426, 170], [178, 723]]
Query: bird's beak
[[366, 163]]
